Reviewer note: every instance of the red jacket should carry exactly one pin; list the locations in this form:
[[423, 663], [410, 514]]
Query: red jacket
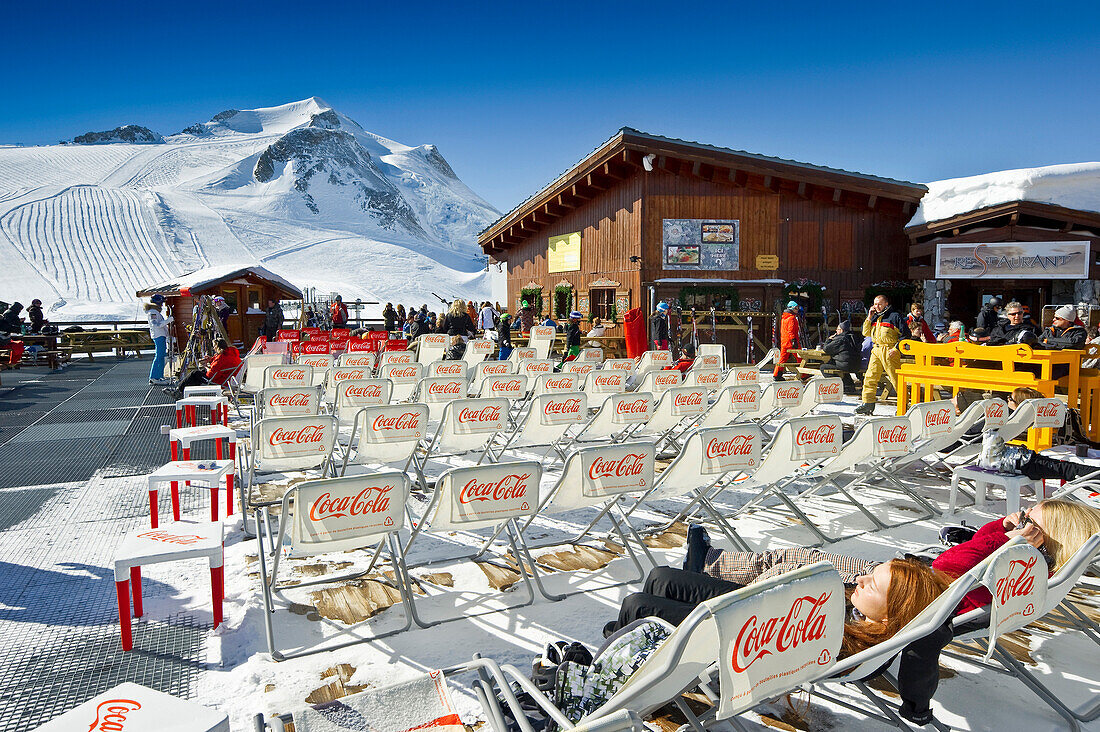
[[961, 558], [788, 331], [682, 365], [223, 366]]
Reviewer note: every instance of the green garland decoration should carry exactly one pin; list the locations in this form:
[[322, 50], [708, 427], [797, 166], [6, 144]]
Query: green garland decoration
[[533, 295], [710, 291], [563, 301], [900, 293], [804, 289]]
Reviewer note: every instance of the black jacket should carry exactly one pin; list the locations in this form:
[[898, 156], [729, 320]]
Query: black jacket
[[11, 322], [273, 321], [34, 313], [504, 334], [419, 328], [1072, 336], [572, 335], [1007, 333], [845, 350], [658, 327], [389, 317], [457, 325], [988, 319]]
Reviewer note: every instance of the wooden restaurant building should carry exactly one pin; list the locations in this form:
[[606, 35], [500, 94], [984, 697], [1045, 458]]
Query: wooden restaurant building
[[646, 218]]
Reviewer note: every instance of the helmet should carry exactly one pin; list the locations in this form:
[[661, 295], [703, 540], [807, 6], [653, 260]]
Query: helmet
[[792, 305], [158, 299], [575, 315], [994, 302]]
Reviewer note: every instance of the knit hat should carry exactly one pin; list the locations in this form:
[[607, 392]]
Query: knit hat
[[1066, 312], [575, 315], [845, 326], [157, 299], [505, 316], [662, 307]]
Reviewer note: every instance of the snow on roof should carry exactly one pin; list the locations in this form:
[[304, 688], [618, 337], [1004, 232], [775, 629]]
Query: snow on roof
[[204, 277], [1074, 185]]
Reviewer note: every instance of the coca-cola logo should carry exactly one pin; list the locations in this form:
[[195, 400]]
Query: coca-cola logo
[[316, 347], [435, 340], [937, 418], [509, 487], [1047, 409], [657, 356], [438, 388], [593, 354], [452, 369], [738, 445], [349, 374], [399, 357], [744, 396], [482, 346], [298, 399], [580, 368], [804, 622], [562, 406], [167, 537], [406, 421], [666, 379], [706, 377], [372, 499], [496, 369], [370, 391], [538, 367], [317, 362], [506, 386], [365, 361], [628, 466], [828, 388], [634, 406], [823, 434], [621, 365], [301, 436], [408, 372], [897, 434], [995, 410], [524, 354], [786, 393], [710, 361], [289, 374], [560, 384], [110, 716], [744, 375], [690, 399], [1018, 582], [480, 416], [609, 380]]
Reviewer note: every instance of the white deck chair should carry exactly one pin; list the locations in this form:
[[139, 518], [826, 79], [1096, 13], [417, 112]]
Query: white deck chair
[[652, 361], [658, 382], [396, 358], [386, 435], [317, 361], [436, 391], [614, 418], [708, 350], [674, 407], [734, 403], [779, 397], [487, 496], [340, 515], [288, 375], [591, 354], [254, 370], [405, 378], [288, 401], [520, 354], [541, 340], [431, 347], [456, 369], [580, 368], [818, 390], [740, 376], [1057, 589], [703, 651], [477, 350], [598, 477], [557, 384], [488, 368], [466, 425], [354, 394], [710, 379], [533, 368], [544, 422], [619, 364], [338, 375], [601, 384], [512, 387], [361, 359], [277, 348], [1045, 412]]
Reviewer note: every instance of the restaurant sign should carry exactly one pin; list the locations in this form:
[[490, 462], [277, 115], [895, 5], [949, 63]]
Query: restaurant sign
[[1039, 260], [701, 244], [564, 253]]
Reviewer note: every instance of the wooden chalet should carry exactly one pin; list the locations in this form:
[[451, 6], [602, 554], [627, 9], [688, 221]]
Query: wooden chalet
[[1010, 228], [245, 288], [599, 230]]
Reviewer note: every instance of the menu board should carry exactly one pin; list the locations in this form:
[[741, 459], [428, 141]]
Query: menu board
[[710, 244]]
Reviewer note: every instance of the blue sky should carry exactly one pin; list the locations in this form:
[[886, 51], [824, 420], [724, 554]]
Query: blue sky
[[515, 93]]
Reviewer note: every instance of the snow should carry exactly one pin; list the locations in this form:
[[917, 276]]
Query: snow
[[84, 227], [1074, 186], [202, 277]]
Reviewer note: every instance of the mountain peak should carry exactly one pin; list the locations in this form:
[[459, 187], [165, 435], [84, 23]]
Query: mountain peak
[[125, 133]]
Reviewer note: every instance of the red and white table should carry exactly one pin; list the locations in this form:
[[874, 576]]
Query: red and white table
[[210, 472], [187, 409], [135, 708], [182, 540], [181, 439]]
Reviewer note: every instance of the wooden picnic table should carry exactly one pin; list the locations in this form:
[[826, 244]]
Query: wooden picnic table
[[98, 341], [49, 342], [613, 346]]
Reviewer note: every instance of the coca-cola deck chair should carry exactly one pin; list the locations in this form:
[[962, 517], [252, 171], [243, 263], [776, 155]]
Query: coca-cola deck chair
[[486, 497], [280, 444], [799, 446], [780, 396], [448, 368], [477, 350], [740, 376], [431, 347], [338, 515], [709, 455], [320, 362], [290, 374], [337, 376], [255, 367], [404, 376], [674, 408], [466, 425], [619, 364], [711, 379], [709, 651], [543, 423], [1039, 413], [1015, 584], [437, 391], [288, 401], [614, 419], [733, 404], [353, 395], [591, 353], [602, 383], [541, 340], [478, 372], [657, 382], [706, 351], [558, 383], [600, 477], [520, 354], [359, 359], [387, 434]]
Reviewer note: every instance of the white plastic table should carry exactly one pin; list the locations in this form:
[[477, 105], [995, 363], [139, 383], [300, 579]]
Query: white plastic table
[[187, 409], [210, 472], [135, 708], [182, 437], [981, 477], [204, 390], [182, 540]]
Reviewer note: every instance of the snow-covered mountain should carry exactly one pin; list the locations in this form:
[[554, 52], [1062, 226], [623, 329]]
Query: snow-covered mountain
[[300, 188]]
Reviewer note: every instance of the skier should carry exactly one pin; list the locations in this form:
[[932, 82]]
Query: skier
[[885, 327], [788, 337], [487, 319], [989, 315], [658, 327], [504, 336], [339, 313], [389, 317], [34, 313], [572, 338], [158, 331]]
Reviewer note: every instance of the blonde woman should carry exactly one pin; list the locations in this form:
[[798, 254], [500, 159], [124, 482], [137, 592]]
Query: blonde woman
[[457, 321]]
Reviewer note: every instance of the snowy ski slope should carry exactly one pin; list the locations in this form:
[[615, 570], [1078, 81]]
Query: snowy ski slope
[[299, 187]]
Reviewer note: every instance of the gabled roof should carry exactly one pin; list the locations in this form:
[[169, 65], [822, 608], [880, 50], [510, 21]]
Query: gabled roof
[[203, 279], [622, 155]]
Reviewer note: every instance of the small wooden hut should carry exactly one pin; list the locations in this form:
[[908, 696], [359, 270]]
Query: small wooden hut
[[245, 288]]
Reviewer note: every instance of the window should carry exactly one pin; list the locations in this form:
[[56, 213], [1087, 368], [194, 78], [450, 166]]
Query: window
[[230, 295], [255, 299], [601, 303]]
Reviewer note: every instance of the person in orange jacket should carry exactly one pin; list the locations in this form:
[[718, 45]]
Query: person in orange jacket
[[339, 313], [788, 337]]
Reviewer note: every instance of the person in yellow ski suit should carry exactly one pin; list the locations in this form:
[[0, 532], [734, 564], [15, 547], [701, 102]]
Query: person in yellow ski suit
[[886, 328]]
